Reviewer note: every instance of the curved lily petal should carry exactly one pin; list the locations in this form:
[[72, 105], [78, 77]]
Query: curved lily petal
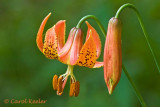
[[95, 38], [39, 38], [64, 52], [68, 44], [87, 55], [60, 27], [98, 64], [76, 47], [72, 47], [50, 44]]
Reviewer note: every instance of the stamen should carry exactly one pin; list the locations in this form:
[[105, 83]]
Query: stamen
[[71, 93], [73, 78], [55, 82], [74, 88], [77, 88], [59, 83], [59, 86]]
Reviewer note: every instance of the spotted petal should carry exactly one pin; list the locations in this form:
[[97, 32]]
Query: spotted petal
[[50, 44], [54, 38], [95, 38], [87, 55]]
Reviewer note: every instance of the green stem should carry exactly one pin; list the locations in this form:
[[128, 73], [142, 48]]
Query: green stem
[[123, 67], [134, 87], [95, 19], [142, 26]]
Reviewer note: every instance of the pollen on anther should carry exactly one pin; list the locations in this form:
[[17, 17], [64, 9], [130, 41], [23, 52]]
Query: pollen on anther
[[72, 89], [77, 88], [55, 82], [59, 86]]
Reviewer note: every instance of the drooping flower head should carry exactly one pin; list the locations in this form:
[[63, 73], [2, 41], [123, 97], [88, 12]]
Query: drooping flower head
[[73, 52], [113, 54]]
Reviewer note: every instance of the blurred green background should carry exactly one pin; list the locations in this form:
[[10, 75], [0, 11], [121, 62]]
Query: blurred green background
[[26, 73]]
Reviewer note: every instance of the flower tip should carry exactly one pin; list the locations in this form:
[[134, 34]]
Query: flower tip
[[49, 13], [87, 23], [61, 25], [111, 85], [61, 21], [110, 90], [39, 39]]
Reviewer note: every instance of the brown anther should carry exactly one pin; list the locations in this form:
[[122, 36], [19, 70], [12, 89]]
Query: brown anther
[[59, 86], [72, 88], [55, 82], [77, 88]]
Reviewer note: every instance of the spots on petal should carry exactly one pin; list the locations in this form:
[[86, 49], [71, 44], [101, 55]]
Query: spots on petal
[[88, 54], [96, 38], [50, 44], [50, 50]]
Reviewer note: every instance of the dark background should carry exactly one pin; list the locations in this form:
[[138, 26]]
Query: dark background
[[26, 73]]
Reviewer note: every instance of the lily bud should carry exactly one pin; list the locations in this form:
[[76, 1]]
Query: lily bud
[[113, 54]]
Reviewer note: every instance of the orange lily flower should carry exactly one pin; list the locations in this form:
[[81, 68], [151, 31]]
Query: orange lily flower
[[113, 55], [73, 52]]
